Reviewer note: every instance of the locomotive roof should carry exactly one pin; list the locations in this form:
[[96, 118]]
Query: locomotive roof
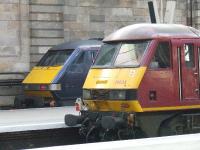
[[152, 31], [76, 44]]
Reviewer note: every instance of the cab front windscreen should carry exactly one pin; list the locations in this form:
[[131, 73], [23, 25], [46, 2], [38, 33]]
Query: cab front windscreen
[[121, 54], [55, 58]]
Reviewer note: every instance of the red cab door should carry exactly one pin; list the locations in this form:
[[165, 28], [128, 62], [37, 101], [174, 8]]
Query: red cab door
[[189, 69]]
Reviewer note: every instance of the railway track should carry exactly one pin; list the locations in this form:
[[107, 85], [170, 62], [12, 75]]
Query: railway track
[[39, 138]]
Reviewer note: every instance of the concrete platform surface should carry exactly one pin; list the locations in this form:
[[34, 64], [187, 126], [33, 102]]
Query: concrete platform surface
[[178, 142], [34, 119]]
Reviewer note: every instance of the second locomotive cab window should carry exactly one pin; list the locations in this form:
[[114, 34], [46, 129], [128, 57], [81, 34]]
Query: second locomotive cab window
[[189, 55], [78, 64], [55, 58], [161, 58]]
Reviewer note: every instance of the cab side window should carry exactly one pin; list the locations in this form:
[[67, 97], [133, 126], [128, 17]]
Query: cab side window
[[80, 59], [161, 57], [77, 65], [189, 55]]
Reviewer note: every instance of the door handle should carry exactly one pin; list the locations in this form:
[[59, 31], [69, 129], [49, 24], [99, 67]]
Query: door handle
[[196, 90], [195, 73]]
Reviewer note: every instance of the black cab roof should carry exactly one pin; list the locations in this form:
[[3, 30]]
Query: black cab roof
[[76, 44]]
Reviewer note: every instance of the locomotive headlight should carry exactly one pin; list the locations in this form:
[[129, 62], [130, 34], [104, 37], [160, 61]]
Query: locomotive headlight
[[42, 87], [117, 94], [87, 94], [55, 87]]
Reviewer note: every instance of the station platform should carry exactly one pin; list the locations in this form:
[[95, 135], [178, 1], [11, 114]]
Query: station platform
[[34, 118], [178, 142]]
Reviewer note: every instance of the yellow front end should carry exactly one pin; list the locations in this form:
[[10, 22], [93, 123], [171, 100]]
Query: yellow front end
[[114, 79], [39, 78]]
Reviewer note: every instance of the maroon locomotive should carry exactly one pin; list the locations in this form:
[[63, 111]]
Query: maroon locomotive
[[144, 83]]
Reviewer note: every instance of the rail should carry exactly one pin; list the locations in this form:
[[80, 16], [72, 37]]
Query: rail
[[11, 82], [12, 78]]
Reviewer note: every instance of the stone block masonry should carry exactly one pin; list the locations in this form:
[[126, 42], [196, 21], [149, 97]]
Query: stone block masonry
[[55, 21], [46, 19], [14, 47], [14, 37], [98, 18]]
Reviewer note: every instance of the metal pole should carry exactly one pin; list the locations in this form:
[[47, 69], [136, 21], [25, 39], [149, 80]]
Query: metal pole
[[161, 12], [152, 12], [191, 10]]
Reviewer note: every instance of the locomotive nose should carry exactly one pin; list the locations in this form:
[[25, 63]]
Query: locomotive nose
[[109, 122]]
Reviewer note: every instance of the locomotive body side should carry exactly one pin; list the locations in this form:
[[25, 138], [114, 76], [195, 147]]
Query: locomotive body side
[[155, 94]]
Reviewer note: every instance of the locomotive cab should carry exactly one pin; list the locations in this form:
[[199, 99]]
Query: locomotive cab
[[60, 74], [144, 83]]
